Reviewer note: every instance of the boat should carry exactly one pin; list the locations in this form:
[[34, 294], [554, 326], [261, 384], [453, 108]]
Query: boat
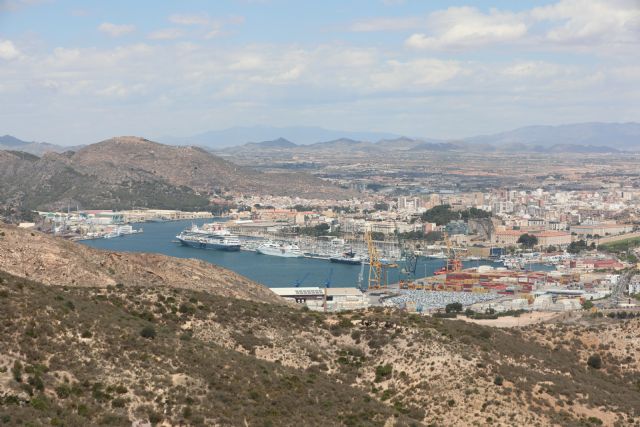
[[438, 255], [279, 249], [111, 234], [125, 230], [217, 238], [157, 219], [347, 258]]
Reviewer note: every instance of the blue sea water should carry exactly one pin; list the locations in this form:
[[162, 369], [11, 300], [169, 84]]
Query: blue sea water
[[269, 270]]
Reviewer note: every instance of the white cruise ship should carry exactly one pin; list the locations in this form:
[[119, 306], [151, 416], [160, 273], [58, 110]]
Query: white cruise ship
[[211, 236], [279, 249]]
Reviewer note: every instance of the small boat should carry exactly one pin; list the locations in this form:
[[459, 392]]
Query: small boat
[[347, 258], [438, 255]]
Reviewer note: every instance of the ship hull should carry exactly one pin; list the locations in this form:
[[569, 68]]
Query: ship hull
[[211, 246], [346, 261], [278, 252]]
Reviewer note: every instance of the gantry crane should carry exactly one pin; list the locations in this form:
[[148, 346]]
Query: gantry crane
[[409, 264], [377, 277], [453, 260]]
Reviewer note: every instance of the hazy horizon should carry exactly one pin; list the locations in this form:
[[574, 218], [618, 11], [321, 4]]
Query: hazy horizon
[[73, 72]]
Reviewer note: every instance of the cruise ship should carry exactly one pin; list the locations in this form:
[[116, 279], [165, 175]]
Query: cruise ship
[[211, 236], [279, 249]]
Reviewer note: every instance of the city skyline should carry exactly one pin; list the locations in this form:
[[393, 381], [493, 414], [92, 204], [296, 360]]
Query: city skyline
[[84, 71]]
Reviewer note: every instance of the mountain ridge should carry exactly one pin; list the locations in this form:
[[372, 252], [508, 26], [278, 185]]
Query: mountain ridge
[[124, 171], [9, 142], [301, 135], [573, 138]]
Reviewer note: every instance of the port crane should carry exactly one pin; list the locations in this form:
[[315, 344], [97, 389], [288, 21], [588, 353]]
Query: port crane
[[299, 282], [327, 282], [410, 263], [378, 278], [453, 260]]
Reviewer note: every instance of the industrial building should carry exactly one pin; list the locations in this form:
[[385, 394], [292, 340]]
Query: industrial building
[[325, 299]]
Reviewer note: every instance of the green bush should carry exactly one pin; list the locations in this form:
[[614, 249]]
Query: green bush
[[148, 332], [63, 391], [186, 308], [17, 371], [595, 361], [119, 402], [498, 380], [383, 372]]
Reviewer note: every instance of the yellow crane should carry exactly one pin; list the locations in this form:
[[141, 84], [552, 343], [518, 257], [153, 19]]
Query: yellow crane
[[376, 278]]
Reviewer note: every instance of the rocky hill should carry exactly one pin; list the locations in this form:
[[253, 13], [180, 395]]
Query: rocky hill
[[54, 182], [130, 171], [88, 355]]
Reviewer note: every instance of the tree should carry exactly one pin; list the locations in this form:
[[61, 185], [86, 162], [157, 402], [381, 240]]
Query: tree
[[377, 235], [587, 305], [433, 236], [528, 240], [454, 307], [441, 215], [577, 247]]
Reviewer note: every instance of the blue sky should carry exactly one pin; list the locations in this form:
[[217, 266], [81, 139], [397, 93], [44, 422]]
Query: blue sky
[[77, 71]]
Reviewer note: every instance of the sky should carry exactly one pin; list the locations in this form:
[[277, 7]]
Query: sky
[[77, 72]]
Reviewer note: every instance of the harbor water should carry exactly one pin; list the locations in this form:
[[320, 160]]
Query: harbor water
[[270, 271]]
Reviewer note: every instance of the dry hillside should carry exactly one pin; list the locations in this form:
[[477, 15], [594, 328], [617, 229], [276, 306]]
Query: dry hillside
[[129, 157], [181, 348]]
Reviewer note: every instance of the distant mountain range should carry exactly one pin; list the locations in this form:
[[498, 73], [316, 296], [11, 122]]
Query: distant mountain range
[[595, 136], [572, 138], [8, 142], [575, 138], [304, 135]]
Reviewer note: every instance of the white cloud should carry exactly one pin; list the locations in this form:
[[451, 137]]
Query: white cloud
[[215, 31], [115, 30], [190, 19], [415, 74], [166, 34], [8, 50], [151, 85], [247, 62], [386, 24], [119, 90], [588, 24], [15, 5], [534, 70], [592, 21], [464, 27]]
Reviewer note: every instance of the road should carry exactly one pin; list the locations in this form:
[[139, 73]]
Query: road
[[618, 294]]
